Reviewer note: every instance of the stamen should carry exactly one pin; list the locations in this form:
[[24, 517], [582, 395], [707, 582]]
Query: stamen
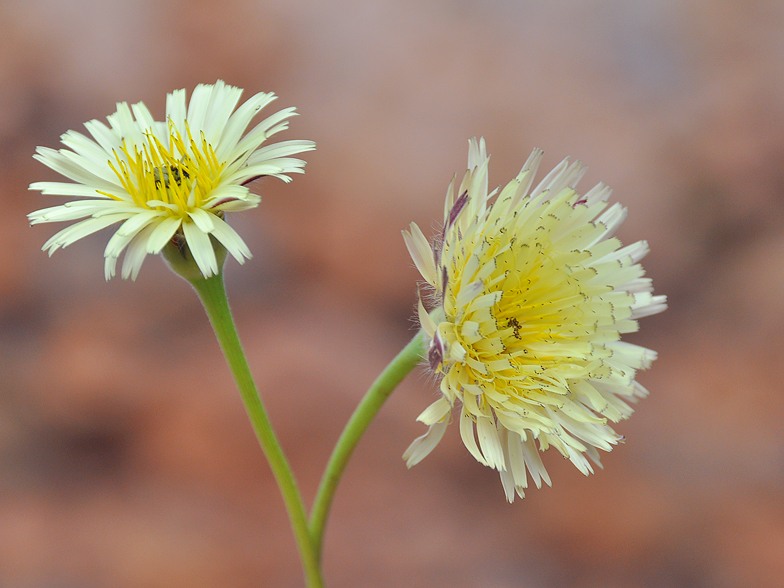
[[174, 178]]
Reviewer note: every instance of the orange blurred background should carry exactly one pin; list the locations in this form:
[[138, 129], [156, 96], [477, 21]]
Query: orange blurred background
[[126, 459]]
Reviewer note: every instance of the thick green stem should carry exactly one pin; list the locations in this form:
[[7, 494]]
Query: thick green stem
[[213, 296], [393, 374]]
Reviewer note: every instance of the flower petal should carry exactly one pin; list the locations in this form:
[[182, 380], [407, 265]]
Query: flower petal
[[135, 253], [201, 248], [229, 238], [163, 233], [422, 446], [420, 252]]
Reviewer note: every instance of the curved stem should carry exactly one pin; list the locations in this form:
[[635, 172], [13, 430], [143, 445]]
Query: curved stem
[[387, 381], [213, 296]]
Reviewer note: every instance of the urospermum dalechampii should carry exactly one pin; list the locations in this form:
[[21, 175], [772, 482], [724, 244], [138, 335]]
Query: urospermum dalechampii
[[531, 291], [167, 180], [532, 295]]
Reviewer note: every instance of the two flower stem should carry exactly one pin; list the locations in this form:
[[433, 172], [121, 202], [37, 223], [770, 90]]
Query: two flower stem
[[309, 535]]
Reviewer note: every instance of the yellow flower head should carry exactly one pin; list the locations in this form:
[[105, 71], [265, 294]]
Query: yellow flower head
[[167, 180], [532, 294]]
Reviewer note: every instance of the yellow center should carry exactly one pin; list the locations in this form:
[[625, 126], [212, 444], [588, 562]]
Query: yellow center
[[537, 332], [174, 178]]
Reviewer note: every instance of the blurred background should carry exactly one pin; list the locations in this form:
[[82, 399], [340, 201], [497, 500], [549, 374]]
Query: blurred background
[[126, 459]]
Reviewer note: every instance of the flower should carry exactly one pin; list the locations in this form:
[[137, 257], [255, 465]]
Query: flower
[[532, 294], [166, 181]]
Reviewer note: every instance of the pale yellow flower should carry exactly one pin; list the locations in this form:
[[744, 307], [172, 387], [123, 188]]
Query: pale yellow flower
[[165, 179], [532, 294]]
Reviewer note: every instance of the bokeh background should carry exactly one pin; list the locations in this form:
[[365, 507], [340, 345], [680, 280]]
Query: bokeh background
[[126, 459]]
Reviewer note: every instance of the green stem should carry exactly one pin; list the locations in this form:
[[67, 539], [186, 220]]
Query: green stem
[[213, 296], [393, 374]]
